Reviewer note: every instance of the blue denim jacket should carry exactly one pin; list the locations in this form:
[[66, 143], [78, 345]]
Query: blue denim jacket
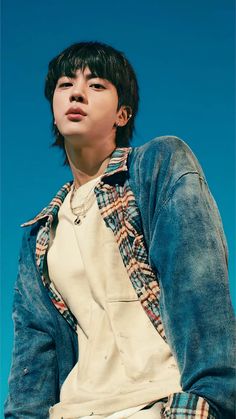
[[181, 229]]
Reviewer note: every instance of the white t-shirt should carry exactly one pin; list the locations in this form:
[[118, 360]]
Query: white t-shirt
[[123, 361]]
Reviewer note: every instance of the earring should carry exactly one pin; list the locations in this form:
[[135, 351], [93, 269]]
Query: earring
[[55, 122]]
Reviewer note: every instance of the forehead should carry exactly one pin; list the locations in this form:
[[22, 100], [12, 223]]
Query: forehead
[[85, 72]]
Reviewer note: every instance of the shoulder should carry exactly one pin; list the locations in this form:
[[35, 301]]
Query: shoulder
[[169, 143], [168, 154], [168, 147]]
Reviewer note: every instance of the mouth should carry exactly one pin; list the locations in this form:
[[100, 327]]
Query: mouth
[[75, 113], [75, 116]]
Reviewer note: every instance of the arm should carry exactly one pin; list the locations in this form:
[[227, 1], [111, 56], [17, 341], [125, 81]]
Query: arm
[[188, 251], [33, 381]]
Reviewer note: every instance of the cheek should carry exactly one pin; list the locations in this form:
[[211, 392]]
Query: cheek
[[57, 105], [107, 108], [105, 117], [54, 105]]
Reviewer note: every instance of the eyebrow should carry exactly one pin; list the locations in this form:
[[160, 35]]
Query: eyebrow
[[92, 76], [87, 77]]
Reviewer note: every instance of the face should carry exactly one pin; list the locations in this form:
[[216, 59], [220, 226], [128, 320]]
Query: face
[[85, 108]]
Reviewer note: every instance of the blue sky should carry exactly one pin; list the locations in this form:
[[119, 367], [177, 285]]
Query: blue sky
[[183, 54]]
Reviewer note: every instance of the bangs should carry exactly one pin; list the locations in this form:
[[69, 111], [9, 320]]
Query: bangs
[[102, 64]]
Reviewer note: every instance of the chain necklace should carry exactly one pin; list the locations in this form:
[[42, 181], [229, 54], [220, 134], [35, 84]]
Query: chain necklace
[[81, 210]]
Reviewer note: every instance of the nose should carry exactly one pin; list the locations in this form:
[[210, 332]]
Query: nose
[[78, 93]]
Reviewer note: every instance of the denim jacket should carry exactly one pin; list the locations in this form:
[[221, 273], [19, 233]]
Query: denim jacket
[[156, 201]]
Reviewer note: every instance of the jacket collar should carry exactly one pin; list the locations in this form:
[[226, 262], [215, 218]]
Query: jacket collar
[[117, 163]]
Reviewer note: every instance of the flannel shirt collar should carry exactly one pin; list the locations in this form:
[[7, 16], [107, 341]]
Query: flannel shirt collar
[[117, 164]]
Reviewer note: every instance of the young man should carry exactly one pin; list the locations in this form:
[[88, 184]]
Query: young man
[[128, 263]]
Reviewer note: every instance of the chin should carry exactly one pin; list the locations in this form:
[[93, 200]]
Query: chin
[[72, 133]]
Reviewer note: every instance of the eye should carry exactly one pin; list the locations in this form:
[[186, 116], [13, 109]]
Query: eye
[[65, 84], [97, 86]]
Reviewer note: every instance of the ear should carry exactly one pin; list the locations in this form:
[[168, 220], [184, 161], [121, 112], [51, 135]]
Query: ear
[[123, 115]]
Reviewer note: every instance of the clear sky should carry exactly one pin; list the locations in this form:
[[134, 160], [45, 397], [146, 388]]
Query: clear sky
[[183, 54]]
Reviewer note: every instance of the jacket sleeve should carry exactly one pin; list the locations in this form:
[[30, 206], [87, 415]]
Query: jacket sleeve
[[33, 377], [188, 252]]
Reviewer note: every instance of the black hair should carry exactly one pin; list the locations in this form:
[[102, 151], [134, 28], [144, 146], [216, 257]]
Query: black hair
[[106, 62]]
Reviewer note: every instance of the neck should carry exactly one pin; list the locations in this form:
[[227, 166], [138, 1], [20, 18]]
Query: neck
[[87, 163]]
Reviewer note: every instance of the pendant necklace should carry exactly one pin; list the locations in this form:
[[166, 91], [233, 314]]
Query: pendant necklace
[[81, 210]]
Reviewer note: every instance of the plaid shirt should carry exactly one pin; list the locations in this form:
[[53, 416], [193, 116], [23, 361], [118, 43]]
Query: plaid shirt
[[120, 212]]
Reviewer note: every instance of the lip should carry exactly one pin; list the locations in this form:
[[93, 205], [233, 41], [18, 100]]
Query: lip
[[75, 116], [75, 112]]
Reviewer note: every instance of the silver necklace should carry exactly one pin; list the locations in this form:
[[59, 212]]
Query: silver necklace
[[81, 210]]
